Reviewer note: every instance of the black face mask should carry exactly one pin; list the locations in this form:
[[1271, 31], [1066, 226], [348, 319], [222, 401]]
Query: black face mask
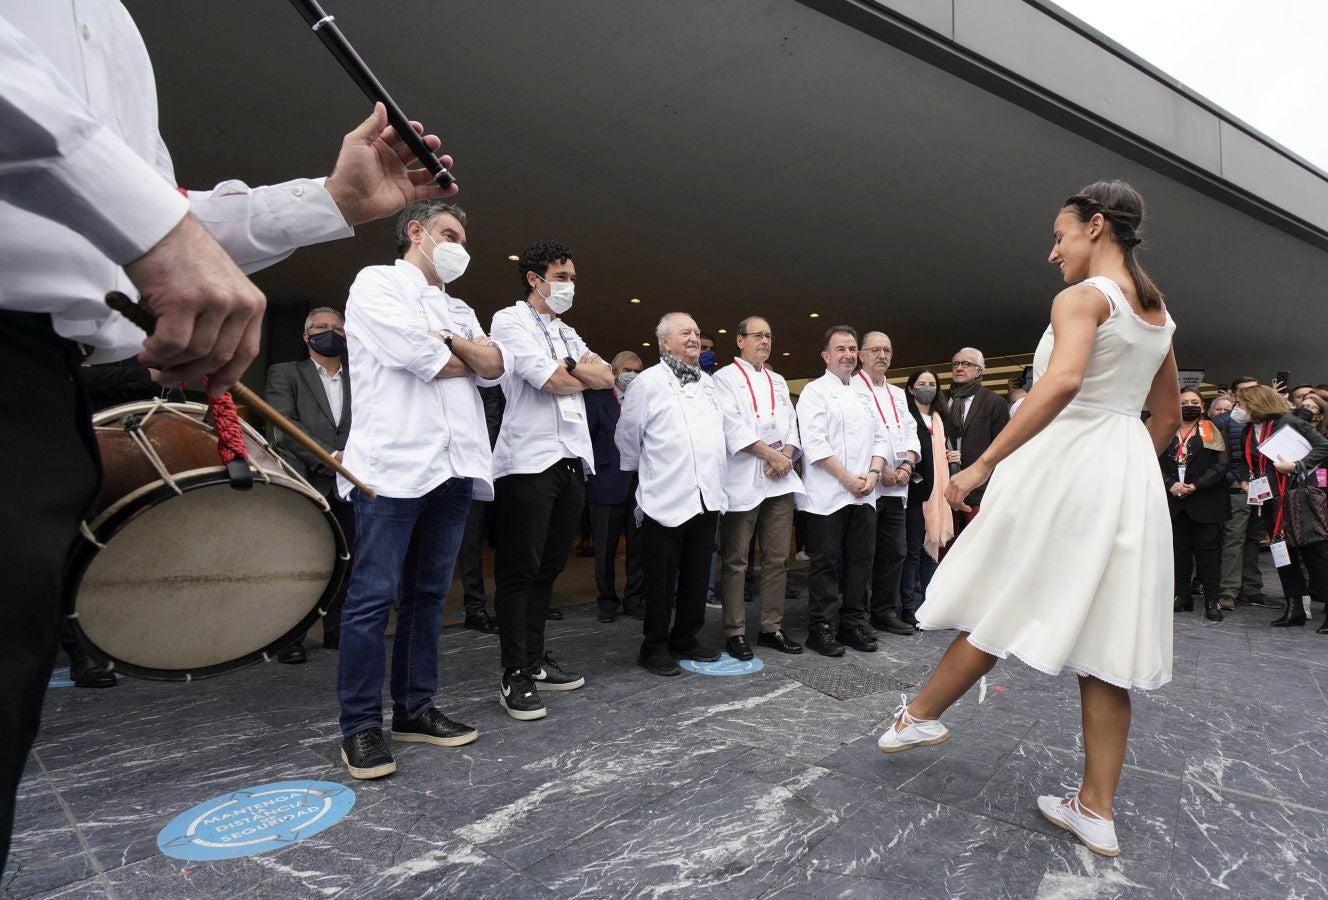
[[1190, 413], [328, 343], [1303, 412]]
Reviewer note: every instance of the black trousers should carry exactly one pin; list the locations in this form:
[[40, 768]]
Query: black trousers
[[842, 546], [537, 517], [1311, 559], [891, 551], [676, 563], [1198, 547], [49, 473], [609, 522], [470, 561], [915, 533]]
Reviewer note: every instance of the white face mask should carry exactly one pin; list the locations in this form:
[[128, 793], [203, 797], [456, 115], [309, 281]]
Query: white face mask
[[625, 380], [1240, 415], [560, 295], [449, 260]]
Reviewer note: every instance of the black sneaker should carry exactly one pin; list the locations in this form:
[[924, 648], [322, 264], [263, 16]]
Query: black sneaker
[[853, 636], [821, 638], [432, 727], [518, 696], [549, 676], [482, 620], [365, 754], [292, 655]]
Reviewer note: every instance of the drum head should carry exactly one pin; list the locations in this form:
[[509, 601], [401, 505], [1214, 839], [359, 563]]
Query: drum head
[[195, 585]]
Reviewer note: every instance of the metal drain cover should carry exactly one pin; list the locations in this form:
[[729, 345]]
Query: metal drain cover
[[847, 681]]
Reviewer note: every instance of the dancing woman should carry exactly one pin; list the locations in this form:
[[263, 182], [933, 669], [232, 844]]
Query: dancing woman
[[1069, 564]]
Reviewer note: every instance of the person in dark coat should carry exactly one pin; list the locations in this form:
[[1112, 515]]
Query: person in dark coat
[[611, 496], [1194, 467], [977, 414]]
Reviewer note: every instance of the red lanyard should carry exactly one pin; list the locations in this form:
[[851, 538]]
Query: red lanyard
[[872, 389], [743, 370], [1281, 505], [1249, 447], [1183, 451]]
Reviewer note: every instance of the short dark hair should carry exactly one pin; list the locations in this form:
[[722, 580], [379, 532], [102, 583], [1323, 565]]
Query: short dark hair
[[538, 257], [707, 336], [1299, 387], [424, 212], [742, 326], [838, 329], [1241, 380]]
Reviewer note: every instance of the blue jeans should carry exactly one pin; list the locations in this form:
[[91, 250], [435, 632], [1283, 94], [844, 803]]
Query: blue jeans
[[389, 569]]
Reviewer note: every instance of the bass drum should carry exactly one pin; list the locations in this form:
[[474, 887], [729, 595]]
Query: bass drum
[[180, 575]]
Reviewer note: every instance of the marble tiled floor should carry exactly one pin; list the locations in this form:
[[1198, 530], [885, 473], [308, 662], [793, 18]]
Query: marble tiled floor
[[755, 786]]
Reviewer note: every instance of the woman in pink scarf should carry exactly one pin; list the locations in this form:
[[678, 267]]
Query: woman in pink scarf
[[929, 520]]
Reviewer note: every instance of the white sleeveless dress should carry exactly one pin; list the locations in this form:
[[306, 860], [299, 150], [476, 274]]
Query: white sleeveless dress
[[1069, 563]]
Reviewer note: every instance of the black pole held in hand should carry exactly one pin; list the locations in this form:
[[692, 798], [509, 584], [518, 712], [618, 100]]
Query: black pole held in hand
[[332, 38]]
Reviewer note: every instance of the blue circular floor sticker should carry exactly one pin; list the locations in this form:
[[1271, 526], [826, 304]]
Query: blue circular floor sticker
[[725, 665], [255, 820]]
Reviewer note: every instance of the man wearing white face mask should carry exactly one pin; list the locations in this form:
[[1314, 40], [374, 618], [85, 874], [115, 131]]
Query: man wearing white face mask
[[540, 465], [418, 439]]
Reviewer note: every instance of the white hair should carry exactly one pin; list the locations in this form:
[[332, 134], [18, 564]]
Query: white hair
[[982, 360], [621, 357], [309, 319], [665, 325]]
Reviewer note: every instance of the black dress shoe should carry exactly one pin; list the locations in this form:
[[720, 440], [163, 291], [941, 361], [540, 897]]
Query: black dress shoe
[[821, 638], [332, 641], [892, 624], [739, 648], [365, 754], [553, 613], [696, 653], [853, 636], [659, 664], [779, 641], [432, 727], [292, 655], [909, 617], [482, 620], [607, 615], [87, 674]]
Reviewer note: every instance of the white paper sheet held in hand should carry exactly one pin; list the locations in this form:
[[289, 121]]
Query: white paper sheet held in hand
[[1287, 443]]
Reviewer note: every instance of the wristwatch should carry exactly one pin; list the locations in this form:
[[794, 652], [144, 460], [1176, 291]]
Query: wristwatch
[[876, 472], [571, 364], [447, 338]]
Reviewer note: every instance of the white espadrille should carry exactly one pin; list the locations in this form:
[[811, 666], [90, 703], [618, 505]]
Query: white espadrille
[[906, 732], [1093, 831]]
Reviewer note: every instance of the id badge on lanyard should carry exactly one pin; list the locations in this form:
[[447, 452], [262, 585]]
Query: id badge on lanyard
[[571, 410], [1260, 491], [1281, 555], [768, 431], [1180, 473]]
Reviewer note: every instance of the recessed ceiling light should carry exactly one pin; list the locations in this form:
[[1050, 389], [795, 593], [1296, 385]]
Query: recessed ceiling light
[[514, 258], [723, 331], [786, 353], [814, 315], [645, 343], [635, 300]]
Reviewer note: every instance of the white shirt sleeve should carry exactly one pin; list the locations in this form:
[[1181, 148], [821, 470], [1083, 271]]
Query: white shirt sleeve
[[390, 329], [911, 439], [631, 426], [739, 430], [881, 445], [813, 426], [529, 354], [261, 226], [57, 161]]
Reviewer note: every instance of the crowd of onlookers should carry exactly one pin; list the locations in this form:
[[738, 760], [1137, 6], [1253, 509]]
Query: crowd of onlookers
[[1245, 472]]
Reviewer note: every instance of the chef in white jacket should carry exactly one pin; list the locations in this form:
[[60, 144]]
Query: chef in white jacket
[[761, 430], [844, 446], [671, 433]]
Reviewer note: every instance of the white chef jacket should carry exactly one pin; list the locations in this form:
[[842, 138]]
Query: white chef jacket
[[410, 431], [756, 407], [834, 419], [673, 437], [538, 428], [87, 185], [890, 404]]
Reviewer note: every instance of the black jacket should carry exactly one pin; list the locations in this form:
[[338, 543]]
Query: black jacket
[[1205, 468], [987, 415], [295, 389], [920, 490]]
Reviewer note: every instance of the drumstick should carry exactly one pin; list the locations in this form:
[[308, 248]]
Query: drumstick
[[143, 318]]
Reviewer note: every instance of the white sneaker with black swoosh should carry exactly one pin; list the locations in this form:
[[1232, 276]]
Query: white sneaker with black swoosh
[[517, 695]]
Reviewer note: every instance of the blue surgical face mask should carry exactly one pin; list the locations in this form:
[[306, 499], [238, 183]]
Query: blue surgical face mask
[[707, 360]]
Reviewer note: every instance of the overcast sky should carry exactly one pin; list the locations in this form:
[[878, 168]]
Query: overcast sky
[[1263, 62]]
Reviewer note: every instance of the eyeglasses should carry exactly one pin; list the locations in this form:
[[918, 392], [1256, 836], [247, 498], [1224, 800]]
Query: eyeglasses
[[759, 335], [319, 328], [964, 364]]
